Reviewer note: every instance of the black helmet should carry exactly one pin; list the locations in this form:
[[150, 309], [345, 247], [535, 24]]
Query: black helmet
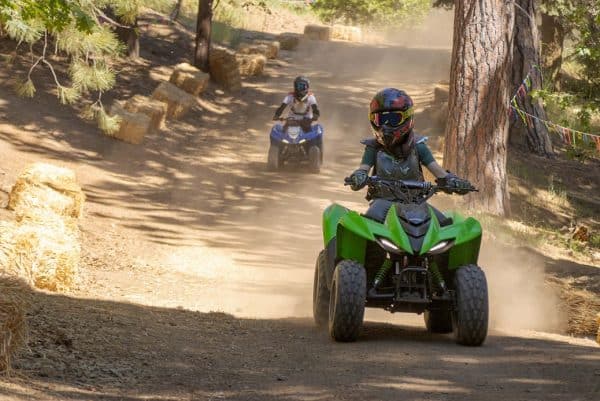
[[301, 85]]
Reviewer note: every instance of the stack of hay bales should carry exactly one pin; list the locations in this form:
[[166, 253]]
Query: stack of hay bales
[[15, 301], [133, 127], [189, 78], [224, 68], [289, 41], [251, 64], [43, 246], [178, 101], [349, 33], [152, 108], [317, 32]]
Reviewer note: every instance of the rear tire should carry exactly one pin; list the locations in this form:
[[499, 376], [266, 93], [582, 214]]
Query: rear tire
[[273, 159], [470, 315], [314, 159], [438, 321], [347, 302], [321, 292]]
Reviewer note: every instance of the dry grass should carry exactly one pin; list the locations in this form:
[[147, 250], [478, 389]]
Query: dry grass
[[582, 307], [15, 299]]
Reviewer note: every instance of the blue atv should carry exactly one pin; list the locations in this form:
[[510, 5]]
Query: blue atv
[[296, 142]]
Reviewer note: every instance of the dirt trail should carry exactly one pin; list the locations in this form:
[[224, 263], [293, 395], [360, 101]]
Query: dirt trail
[[191, 223]]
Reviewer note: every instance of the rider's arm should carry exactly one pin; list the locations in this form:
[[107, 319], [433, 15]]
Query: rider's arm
[[368, 158], [279, 111], [316, 112], [428, 161]]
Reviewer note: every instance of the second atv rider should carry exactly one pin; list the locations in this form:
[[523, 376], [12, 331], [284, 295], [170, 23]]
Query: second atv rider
[[397, 152], [302, 102]]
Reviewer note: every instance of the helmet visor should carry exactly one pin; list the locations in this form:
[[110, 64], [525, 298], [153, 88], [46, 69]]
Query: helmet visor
[[393, 118]]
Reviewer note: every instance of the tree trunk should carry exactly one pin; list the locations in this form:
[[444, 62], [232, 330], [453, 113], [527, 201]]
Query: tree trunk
[[175, 13], [477, 130], [553, 37], [203, 34], [526, 55], [131, 38]]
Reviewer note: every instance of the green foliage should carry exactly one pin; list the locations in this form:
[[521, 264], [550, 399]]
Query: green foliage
[[81, 35], [376, 12]]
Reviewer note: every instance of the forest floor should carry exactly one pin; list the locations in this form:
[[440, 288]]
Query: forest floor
[[198, 263]]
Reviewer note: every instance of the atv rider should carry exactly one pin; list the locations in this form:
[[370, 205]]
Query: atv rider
[[397, 152], [303, 104]]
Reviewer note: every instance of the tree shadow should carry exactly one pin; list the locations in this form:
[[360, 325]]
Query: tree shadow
[[102, 350]]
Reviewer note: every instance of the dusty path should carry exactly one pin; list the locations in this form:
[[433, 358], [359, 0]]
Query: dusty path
[[192, 223]]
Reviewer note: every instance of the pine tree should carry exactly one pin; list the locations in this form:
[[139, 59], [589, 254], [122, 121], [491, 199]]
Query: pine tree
[[82, 34]]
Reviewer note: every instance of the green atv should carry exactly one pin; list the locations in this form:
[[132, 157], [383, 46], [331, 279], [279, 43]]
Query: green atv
[[417, 260]]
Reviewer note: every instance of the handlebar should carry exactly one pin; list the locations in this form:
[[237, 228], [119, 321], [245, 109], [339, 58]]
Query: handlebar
[[409, 184]]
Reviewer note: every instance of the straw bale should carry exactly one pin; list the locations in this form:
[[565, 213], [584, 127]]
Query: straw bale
[[251, 64], [7, 230], [189, 78], [133, 127], [46, 252], [178, 101], [289, 41], [254, 48], [154, 109], [344, 32], [317, 32], [224, 68], [45, 186], [15, 301], [273, 47]]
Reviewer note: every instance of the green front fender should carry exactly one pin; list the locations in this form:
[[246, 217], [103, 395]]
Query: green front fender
[[466, 234]]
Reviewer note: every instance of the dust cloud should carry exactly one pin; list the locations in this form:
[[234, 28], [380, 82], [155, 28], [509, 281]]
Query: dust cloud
[[519, 297]]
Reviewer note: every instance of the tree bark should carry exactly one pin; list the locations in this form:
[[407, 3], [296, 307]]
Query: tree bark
[[175, 13], [553, 37], [203, 26], [526, 55], [131, 38], [477, 130]]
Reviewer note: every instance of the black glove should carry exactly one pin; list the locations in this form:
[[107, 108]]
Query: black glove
[[454, 184], [358, 179], [276, 118]]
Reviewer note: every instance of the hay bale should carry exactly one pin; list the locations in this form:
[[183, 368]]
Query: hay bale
[[598, 323], [254, 48], [15, 301], [178, 101], [349, 33], [7, 243], [317, 32], [251, 64], [46, 252], [273, 47], [133, 126], [224, 68], [48, 187], [189, 78], [154, 109], [288, 41]]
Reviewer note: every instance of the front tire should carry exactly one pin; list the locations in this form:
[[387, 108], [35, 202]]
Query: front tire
[[347, 302], [314, 159], [438, 321], [273, 159], [471, 312], [320, 291]]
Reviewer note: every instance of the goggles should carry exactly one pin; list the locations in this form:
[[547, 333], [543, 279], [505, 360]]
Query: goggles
[[301, 86], [393, 118]]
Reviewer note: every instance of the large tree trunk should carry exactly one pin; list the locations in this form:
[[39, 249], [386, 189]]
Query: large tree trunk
[[203, 34], [176, 10], [477, 130], [553, 37], [526, 55]]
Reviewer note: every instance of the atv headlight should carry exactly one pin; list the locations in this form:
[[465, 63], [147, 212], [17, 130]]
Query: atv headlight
[[388, 245], [441, 247]]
